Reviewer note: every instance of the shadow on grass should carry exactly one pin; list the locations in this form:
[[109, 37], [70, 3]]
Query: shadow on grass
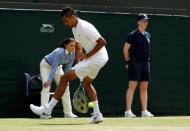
[[54, 124]]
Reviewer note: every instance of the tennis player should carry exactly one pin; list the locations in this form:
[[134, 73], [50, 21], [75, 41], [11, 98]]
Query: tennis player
[[91, 60]]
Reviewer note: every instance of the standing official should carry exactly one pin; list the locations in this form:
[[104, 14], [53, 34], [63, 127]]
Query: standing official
[[137, 55]]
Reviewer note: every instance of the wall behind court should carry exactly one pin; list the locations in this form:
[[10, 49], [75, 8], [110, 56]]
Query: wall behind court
[[23, 46]]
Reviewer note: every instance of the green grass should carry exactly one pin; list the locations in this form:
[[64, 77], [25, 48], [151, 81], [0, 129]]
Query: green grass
[[109, 124]]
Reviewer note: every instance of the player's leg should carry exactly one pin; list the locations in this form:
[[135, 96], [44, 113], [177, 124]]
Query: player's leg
[[47, 108], [67, 108], [89, 88], [44, 72], [145, 77], [64, 80], [86, 71]]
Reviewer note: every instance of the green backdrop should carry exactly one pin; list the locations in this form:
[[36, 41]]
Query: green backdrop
[[23, 46]]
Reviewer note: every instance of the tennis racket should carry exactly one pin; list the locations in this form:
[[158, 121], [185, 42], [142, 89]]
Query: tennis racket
[[80, 100]]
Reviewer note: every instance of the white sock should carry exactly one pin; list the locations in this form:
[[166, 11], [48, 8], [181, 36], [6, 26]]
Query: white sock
[[52, 103], [96, 107]]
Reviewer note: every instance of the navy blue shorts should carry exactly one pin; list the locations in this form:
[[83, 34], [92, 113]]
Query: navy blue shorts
[[139, 71]]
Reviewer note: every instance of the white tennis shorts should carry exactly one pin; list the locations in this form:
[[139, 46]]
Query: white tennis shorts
[[91, 66]]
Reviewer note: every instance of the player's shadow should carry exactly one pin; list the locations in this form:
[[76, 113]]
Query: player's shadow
[[54, 124]]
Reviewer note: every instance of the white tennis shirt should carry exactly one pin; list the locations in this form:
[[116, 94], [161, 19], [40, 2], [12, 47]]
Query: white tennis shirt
[[87, 35]]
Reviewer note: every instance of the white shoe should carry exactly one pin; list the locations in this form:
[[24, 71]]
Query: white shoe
[[146, 113], [129, 114], [70, 115], [97, 118], [41, 111], [45, 116]]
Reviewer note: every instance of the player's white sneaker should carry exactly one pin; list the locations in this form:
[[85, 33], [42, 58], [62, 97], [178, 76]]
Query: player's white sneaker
[[97, 118], [70, 115], [129, 114], [146, 113], [41, 111]]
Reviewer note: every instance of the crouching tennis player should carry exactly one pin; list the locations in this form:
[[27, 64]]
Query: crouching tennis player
[[94, 58]]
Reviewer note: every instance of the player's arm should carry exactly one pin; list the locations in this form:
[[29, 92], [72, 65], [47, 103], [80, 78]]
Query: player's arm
[[100, 43], [92, 33], [126, 51], [78, 51]]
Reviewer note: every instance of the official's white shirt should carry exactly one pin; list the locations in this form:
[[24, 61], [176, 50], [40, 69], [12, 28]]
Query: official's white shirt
[[87, 35]]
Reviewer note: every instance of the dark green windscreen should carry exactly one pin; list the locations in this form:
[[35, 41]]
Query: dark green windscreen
[[23, 46]]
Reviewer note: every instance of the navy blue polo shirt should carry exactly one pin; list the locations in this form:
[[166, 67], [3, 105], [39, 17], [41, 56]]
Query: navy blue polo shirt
[[140, 46]]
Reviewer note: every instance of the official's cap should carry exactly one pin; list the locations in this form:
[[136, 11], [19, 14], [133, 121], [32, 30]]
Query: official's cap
[[142, 17]]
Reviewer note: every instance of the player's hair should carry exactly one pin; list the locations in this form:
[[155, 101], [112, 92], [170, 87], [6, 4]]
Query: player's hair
[[68, 12], [65, 42]]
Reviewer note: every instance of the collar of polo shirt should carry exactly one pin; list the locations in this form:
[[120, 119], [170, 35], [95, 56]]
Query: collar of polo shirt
[[67, 52], [144, 33], [78, 23]]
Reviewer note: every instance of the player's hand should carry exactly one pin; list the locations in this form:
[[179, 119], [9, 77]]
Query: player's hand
[[84, 56], [81, 55], [47, 84]]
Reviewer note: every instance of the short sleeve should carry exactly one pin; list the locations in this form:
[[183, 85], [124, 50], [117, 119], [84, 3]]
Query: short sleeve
[[149, 35], [129, 39], [91, 32], [75, 36]]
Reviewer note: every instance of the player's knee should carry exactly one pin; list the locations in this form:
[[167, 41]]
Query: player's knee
[[86, 84], [87, 81], [70, 75], [65, 78]]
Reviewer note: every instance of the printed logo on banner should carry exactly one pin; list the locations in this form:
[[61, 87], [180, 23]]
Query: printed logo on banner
[[47, 28]]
